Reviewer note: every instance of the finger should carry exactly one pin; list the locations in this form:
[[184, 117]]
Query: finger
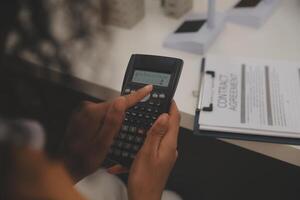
[[89, 117], [117, 169], [135, 97], [112, 121], [171, 136], [156, 133], [95, 112]]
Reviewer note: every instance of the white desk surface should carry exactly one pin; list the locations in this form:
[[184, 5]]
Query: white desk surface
[[278, 39]]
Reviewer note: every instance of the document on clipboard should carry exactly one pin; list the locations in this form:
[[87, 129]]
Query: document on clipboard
[[250, 98]]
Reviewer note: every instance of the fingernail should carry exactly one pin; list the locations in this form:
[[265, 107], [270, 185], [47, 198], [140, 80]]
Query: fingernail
[[148, 87]]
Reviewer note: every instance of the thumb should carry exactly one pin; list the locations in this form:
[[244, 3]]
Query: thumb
[[156, 133]]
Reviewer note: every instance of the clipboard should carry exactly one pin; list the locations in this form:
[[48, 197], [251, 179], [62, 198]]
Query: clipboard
[[224, 134]]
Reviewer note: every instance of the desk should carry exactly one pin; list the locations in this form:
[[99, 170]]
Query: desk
[[277, 39]]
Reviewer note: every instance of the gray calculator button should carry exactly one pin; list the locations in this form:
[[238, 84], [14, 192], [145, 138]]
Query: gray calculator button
[[151, 103], [132, 129], [149, 109], [162, 96], [130, 138], [125, 128], [127, 146], [141, 131], [135, 147], [125, 154], [127, 90], [119, 144], [133, 114], [132, 156], [117, 152], [138, 139], [155, 95], [146, 98], [122, 136]]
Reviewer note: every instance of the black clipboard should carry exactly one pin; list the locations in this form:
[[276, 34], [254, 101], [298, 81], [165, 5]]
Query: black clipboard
[[228, 135]]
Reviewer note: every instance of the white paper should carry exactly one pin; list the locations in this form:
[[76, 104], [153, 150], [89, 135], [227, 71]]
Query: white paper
[[252, 96]]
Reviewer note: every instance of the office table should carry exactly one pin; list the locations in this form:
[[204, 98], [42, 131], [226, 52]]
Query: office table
[[277, 39]]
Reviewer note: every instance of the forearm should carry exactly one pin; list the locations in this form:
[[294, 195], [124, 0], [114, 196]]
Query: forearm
[[60, 184], [148, 194], [144, 197]]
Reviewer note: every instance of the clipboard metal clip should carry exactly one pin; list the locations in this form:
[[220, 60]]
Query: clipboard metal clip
[[200, 107]]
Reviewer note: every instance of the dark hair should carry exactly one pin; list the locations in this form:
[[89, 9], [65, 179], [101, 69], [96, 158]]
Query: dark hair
[[31, 20]]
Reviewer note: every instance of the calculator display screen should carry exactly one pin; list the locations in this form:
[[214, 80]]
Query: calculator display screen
[[153, 78]]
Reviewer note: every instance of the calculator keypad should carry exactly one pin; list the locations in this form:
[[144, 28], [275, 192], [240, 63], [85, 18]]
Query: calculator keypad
[[137, 122]]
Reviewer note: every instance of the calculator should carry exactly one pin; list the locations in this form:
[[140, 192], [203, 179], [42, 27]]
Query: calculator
[[161, 72]]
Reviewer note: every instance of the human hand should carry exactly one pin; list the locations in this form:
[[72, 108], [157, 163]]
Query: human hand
[[155, 160], [91, 131]]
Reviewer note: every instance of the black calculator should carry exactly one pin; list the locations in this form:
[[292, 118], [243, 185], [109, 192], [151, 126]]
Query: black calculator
[[161, 72]]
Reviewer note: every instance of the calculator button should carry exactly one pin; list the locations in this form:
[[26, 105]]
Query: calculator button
[[127, 91], [147, 116], [126, 119], [132, 91], [122, 136], [147, 122], [158, 103], [140, 115], [138, 139], [142, 108], [155, 95], [155, 111], [116, 152], [119, 144], [146, 98], [130, 138], [125, 128], [135, 147], [141, 131], [151, 103], [149, 109], [162, 96], [132, 156], [136, 107], [133, 114], [154, 118], [127, 146], [132, 129], [125, 154]]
